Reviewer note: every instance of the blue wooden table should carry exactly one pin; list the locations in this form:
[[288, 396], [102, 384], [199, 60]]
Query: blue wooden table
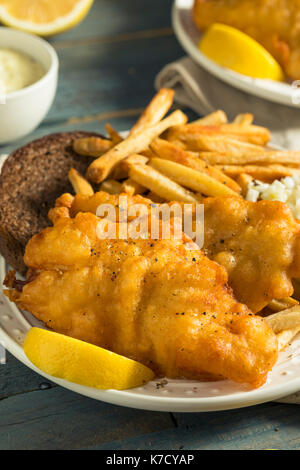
[[107, 69]]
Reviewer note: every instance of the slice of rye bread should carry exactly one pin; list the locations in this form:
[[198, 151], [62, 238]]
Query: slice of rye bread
[[32, 178]]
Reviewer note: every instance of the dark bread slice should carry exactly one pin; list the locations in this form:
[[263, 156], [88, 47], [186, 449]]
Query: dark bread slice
[[32, 178]]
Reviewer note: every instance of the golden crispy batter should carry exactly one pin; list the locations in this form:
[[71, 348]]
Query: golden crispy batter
[[273, 23], [257, 242], [153, 301], [259, 245]]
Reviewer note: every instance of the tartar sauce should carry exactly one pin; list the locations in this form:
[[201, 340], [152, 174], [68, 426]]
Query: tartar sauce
[[18, 70]]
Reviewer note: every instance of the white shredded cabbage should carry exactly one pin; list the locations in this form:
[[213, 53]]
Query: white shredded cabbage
[[285, 190]]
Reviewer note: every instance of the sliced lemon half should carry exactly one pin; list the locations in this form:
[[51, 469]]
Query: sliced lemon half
[[237, 51], [83, 363], [43, 17]]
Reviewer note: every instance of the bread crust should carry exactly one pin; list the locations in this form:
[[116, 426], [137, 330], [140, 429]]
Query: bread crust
[[31, 180]]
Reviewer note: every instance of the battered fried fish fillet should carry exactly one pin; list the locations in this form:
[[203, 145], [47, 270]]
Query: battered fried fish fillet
[[259, 245], [273, 23], [154, 301], [257, 242]]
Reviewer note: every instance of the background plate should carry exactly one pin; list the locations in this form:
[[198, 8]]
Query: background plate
[[189, 37]]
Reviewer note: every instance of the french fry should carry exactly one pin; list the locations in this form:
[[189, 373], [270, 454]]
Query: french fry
[[282, 304], [192, 179], [103, 166], [251, 134], [219, 144], [118, 173], [284, 320], [113, 134], [111, 186], [213, 119], [286, 336], [92, 146], [134, 159], [244, 180], [160, 184], [155, 111], [285, 324], [169, 151], [289, 302], [180, 144], [222, 144], [263, 173], [79, 183], [65, 200], [62, 207], [244, 119], [226, 150], [216, 158], [131, 187], [288, 157], [262, 157]]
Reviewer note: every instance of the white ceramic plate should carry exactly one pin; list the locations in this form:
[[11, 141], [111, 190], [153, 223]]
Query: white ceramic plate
[[158, 395], [189, 37]]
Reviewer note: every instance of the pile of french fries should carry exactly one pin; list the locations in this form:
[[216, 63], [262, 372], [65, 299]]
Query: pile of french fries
[[170, 159]]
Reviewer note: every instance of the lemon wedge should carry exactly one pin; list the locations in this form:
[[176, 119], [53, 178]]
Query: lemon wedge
[[46, 17], [83, 363], [237, 51]]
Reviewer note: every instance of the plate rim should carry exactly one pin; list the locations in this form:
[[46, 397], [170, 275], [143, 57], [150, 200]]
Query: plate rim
[[246, 84]]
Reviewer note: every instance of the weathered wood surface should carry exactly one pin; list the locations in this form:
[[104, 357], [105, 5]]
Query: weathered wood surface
[[108, 65], [270, 426]]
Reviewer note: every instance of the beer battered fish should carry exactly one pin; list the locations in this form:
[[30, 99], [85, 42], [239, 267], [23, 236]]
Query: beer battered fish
[[257, 242], [154, 301], [273, 23], [259, 245]]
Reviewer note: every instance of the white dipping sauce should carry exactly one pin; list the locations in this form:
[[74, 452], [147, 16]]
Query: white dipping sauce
[[18, 70]]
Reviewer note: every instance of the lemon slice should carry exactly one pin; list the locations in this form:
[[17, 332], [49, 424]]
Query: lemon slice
[[237, 51], [83, 363], [43, 17]]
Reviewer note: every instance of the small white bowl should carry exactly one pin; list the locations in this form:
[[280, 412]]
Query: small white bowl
[[23, 110]]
